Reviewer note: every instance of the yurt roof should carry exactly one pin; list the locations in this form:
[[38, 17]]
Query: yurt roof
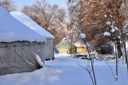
[[80, 43], [65, 43], [13, 30], [31, 24]]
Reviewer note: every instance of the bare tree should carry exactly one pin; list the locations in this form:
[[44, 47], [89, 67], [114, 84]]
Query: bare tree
[[44, 14], [98, 16], [50, 17], [8, 4], [93, 16]]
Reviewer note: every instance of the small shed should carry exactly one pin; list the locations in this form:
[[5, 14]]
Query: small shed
[[80, 46], [106, 49], [65, 46], [21, 49], [34, 26]]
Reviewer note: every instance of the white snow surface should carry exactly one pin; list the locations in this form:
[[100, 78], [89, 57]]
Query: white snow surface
[[39, 61], [13, 30], [64, 70], [31, 24]]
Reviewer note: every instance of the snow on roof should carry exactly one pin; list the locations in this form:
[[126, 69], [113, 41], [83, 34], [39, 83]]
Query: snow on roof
[[13, 30], [80, 43], [31, 24], [65, 42]]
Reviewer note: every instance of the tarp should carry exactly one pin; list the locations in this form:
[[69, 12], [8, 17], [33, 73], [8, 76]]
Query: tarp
[[21, 57], [21, 49], [34, 26]]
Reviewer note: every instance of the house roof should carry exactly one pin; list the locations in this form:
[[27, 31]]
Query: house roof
[[80, 43], [31, 24], [65, 43], [13, 30]]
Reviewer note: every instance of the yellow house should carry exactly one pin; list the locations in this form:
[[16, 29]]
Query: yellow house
[[80, 47]]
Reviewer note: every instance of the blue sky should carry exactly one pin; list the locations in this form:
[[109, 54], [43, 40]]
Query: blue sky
[[21, 3]]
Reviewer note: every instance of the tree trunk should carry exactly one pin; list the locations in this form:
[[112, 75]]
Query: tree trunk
[[119, 48]]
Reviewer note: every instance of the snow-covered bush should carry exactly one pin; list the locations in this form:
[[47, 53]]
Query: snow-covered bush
[[68, 24], [82, 35], [107, 34]]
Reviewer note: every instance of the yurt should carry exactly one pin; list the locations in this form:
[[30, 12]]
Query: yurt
[[34, 26], [21, 49], [65, 46], [81, 47]]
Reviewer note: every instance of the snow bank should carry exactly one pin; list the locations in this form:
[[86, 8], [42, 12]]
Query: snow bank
[[13, 30], [64, 70], [39, 61], [31, 24]]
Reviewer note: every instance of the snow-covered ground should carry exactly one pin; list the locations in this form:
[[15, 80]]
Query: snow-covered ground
[[64, 70]]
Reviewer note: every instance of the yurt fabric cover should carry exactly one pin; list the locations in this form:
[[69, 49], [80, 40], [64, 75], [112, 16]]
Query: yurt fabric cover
[[65, 46], [21, 49], [34, 26]]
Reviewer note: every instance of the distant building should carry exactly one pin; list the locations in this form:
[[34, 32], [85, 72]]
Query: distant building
[[65, 46], [80, 47], [106, 49], [21, 49], [34, 26]]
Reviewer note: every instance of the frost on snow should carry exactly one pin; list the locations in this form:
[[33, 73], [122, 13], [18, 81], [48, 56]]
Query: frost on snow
[[108, 22], [107, 34], [82, 35]]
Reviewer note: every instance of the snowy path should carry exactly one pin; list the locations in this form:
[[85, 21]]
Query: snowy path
[[64, 70]]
